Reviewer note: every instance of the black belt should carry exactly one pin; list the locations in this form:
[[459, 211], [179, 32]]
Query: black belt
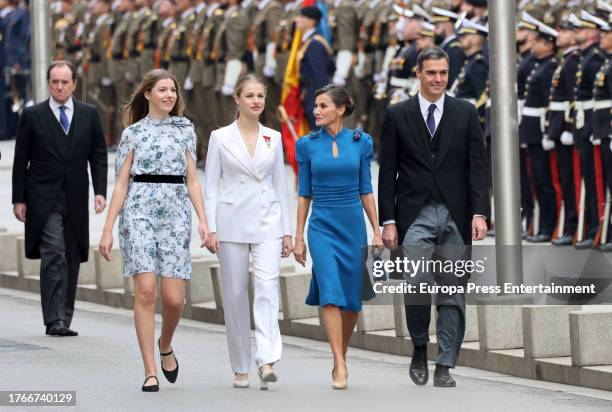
[[159, 179], [180, 59]]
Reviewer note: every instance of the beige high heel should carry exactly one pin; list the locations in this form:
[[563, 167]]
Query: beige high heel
[[266, 376], [339, 385]]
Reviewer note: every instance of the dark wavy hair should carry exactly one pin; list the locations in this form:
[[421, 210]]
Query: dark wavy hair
[[137, 106], [339, 96]]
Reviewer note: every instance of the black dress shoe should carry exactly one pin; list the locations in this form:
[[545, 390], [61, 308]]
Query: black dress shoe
[[564, 240], [150, 388], [584, 244], [606, 248], [442, 377], [538, 238], [418, 366], [170, 375], [59, 328]]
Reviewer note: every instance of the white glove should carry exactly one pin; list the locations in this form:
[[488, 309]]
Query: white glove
[[339, 81], [567, 138], [360, 67], [377, 77], [594, 141], [228, 90], [188, 83], [269, 71], [547, 144], [611, 145], [106, 81]]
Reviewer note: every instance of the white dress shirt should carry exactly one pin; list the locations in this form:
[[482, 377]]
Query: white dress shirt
[[55, 108], [424, 105]]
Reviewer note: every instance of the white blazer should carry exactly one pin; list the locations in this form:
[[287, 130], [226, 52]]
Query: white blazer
[[246, 198]]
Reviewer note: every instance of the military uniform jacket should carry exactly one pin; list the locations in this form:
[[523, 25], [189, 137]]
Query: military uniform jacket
[[179, 43], [562, 91], [602, 95], [265, 24], [231, 41], [592, 61], [472, 78], [98, 42], [344, 22], [119, 39], [537, 93], [455, 55]]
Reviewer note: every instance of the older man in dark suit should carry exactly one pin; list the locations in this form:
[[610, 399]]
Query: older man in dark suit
[[433, 191], [56, 140]]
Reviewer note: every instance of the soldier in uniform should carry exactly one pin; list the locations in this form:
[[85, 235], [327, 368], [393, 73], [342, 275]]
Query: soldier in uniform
[[603, 104], [179, 45], [525, 38], [229, 47], [99, 83], [118, 54], [161, 55], [194, 93], [559, 123], [369, 42], [265, 23], [213, 21], [315, 60], [532, 126], [472, 77], [147, 39], [134, 46], [587, 37], [448, 41], [476, 10]]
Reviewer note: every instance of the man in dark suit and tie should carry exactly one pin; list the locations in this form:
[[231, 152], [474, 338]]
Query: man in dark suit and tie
[[56, 139], [433, 191]]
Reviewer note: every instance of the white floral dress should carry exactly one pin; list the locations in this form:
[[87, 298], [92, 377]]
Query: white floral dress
[[155, 222]]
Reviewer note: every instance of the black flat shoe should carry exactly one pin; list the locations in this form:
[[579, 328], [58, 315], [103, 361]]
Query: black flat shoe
[[170, 375], [150, 388], [419, 373], [442, 378]]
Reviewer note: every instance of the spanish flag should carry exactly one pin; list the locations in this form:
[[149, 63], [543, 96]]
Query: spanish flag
[[291, 99]]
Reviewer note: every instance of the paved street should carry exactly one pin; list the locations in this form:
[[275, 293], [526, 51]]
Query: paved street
[[103, 366]]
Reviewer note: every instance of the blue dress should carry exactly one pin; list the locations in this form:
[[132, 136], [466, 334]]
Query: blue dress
[[336, 230]]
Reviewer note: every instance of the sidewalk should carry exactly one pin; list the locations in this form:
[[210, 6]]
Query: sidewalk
[[103, 366]]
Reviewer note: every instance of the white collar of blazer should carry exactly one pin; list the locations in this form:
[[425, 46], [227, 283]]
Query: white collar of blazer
[[267, 140]]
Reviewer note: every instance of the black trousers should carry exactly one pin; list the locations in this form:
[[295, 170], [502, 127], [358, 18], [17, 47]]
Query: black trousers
[[545, 192], [526, 193], [565, 167], [59, 266], [587, 166]]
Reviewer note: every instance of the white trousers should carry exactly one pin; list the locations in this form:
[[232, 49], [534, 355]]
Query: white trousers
[[234, 261]]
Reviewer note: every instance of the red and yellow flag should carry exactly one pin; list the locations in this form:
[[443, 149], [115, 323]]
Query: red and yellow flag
[[291, 98]]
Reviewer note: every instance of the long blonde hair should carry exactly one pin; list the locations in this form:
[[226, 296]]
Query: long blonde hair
[[137, 106]]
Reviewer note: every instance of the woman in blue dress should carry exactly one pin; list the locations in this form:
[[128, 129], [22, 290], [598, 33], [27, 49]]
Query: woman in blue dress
[[155, 185], [334, 175]]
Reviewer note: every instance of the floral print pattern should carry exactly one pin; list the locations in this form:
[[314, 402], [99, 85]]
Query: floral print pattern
[[155, 221]]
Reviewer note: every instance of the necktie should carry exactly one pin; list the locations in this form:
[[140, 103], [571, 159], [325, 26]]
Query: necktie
[[431, 121], [64, 119]]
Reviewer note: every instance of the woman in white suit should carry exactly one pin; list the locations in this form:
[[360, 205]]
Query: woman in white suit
[[249, 212]]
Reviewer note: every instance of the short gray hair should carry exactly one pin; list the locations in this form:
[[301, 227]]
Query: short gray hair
[[431, 53]]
